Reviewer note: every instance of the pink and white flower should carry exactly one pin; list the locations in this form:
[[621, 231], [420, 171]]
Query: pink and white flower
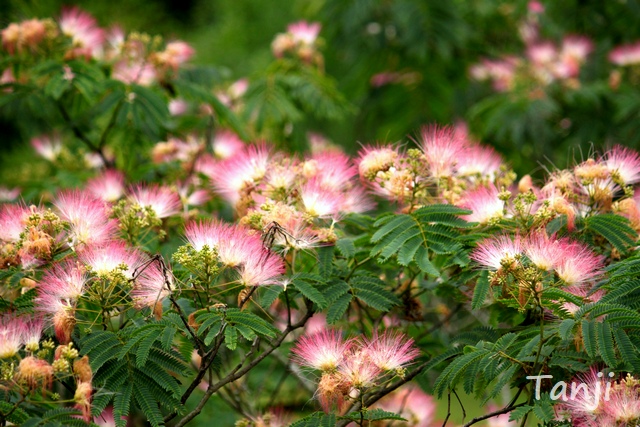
[[494, 251], [88, 217], [485, 204], [391, 350], [162, 200], [109, 186], [324, 350], [442, 148]]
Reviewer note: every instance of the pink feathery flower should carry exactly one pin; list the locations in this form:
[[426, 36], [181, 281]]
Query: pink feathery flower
[[162, 200], [358, 370], [246, 168], [542, 53], [239, 246], [485, 204], [208, 232], [625, 162], [479, 160], [583, 402], [226, 144], [151, 287], [356, 200], [13, 219], [623, 405], [86, 36], [410, 402], [175, 54], [324, 350], [262, 268], [390, 351], [138, 72], [333, 170], [48, 146], [193, 197], [11, 335], [65, 280], [319, 201], [372, 160], [88, 217], [8, 194], [493, 251], [109, 186], [544, 252], [109, 256], [442, 149], [178, 107], [304, 32], [32, 333], [577, 262], [628, 54], [281, 177]]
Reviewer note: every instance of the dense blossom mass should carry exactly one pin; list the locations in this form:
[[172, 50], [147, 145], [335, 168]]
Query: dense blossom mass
[[137, 280]]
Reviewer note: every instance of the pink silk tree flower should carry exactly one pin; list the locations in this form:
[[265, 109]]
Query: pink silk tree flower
[[83, 29], [151, 287], [324, 350], [241, 171], [109, 186], [48, 146], [625, 163], [162, 200], [12, 331], [88, 217], [492, 252], [485, 203], [578, 263], [391, 350], [441, 148], [110, 256]]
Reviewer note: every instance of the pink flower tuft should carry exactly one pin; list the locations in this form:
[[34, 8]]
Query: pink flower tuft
[[226, 144], [390, 351], [625, 162], [442, 149], [243, 170], [628, 54], [109, 256], [88, 217], [577, 263], [485, 204], [492, 252], [109, 186], [324, 350], [304, 32], [87, 37], [48, 146], [12, 331], [163, 201]]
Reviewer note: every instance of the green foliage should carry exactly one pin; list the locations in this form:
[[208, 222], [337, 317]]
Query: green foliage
[[435, 229]]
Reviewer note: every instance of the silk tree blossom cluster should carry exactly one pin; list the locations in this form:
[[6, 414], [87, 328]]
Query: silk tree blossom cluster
[[594, 399], [300, 41], [543, 64], [134, 58], [523, 266], [297, 200], [350, 366], [232, 246], [447, 167]]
